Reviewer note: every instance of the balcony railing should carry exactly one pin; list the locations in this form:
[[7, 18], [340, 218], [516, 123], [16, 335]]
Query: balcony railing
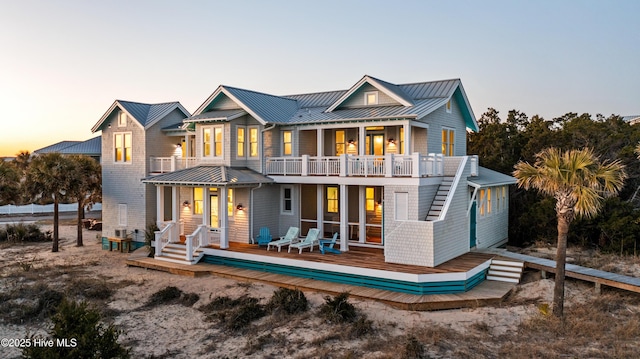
[[170, 164], [389, 165]]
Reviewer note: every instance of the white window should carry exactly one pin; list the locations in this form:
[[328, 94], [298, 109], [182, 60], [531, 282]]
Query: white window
[[448, 141], [371, 98], [448, 106], [402, 206], [333, 203], [287, 200], [230, 206], [122, 147], [122, 119], [340, 143], [485, 202], [212, 141], [122, 215], [287, 138], [242, 139], [253, 142]]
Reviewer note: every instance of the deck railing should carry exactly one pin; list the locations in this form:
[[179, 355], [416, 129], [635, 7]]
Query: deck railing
[[170, 164], [390, 165]]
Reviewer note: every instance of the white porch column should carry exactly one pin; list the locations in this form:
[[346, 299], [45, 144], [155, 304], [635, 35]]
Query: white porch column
[[319, 207], [362, 140], [160, 204], [362, 213], [175, 204], [344, 218], [223, 214], [206, 211], [407, 139], [320, 142]]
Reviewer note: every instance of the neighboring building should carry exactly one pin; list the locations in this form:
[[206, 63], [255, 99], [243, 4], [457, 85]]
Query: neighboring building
[[384, 165], [90, 147], [634, 119]]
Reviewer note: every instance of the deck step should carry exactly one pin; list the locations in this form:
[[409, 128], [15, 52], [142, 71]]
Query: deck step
[[505, 271], [177, 253]]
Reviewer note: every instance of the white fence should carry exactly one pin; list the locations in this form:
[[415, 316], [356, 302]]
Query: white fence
[[47, 208]]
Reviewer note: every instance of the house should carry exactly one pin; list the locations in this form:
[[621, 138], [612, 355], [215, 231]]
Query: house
[[91, 147], [131, 134], [632, 119], [384, 165]]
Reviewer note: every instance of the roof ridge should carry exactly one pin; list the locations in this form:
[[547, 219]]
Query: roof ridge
[[150, 104], [428, 82], [257, 92]]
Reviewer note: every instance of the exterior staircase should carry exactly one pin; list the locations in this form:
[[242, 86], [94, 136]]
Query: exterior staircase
[[505, 271], [441, 196], [177, 253]]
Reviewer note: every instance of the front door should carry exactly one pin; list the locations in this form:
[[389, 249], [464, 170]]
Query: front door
[[213, 205], [375, 144], [472, 225]]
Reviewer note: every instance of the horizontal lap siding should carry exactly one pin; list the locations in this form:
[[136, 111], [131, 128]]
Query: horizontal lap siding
[[439, 119], [493, 229]]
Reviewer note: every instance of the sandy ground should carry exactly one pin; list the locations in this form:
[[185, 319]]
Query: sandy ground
[[181, 331]]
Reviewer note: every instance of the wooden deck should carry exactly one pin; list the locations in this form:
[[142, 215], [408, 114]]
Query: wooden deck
[[487, 292], [372, 258], [598, 277]]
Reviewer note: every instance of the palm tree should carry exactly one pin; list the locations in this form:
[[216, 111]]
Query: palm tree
[[9, 182], [48, 177], [578, 182], [85, 186], [22, 160]]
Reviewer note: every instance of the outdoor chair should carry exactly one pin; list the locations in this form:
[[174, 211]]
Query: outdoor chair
[[290, 237], [264, 237], [327, 244], [309, 241]]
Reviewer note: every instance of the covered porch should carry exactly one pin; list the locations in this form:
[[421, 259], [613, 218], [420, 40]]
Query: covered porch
[[202, 206]]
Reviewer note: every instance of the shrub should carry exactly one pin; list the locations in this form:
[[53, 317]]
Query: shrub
[[23, 233], [413, 349], [150, 235], [338, 309], [288, 301], [172, 295], [234, 314], [85, 335]]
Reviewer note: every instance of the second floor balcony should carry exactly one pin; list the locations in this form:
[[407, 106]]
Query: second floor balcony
[[389, 165]]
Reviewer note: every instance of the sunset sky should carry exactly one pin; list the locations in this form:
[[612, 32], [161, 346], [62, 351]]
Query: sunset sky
[[63, 63]]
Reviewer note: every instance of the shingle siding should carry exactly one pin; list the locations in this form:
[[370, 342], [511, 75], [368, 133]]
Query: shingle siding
[[440, 119], [357, 98], [493, 229]]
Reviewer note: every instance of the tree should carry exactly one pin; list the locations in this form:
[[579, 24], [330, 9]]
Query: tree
[[85, 186], [48, 176], [9, 183], [579, 183]]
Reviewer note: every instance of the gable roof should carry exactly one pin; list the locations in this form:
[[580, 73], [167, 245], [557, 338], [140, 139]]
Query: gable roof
[[632, 120], [263, 107], [144, 114], [390, 89]]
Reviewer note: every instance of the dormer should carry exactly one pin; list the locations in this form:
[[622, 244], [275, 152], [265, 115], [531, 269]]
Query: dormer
[[370, 91]]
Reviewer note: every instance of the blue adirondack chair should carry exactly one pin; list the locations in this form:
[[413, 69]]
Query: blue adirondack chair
[[327, 244], [264, 237]]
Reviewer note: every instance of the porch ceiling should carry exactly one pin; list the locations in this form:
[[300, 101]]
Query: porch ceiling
[[209, 176]]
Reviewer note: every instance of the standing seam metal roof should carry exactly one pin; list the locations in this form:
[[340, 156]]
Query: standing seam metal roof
[[209, 175], [146, 113]]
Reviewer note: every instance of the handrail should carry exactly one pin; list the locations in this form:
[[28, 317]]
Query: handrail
[[198, 234], [163, 237]]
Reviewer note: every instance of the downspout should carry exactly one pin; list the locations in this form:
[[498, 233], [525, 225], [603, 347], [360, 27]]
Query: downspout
[[262, 145], [251, 214]]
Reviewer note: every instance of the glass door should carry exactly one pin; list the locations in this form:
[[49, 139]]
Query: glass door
[[213, 205]]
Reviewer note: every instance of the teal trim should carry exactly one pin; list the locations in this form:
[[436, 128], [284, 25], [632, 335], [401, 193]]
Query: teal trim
[[446, 287], [472, 225], [469, 121], [134, 245]]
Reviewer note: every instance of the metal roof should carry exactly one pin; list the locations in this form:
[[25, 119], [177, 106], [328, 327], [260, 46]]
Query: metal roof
[[90, 147], [209, 176], [219, 115], [145, 114], [56, 147], [631, 118], [416, 100], [488, 178]]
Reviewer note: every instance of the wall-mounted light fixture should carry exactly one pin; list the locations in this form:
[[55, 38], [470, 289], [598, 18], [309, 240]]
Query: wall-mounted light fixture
[[240, 207], [351, 142], [178, 145], [185, 204], [392, 141]]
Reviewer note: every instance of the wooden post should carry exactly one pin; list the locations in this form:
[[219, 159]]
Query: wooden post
[[598, 288]]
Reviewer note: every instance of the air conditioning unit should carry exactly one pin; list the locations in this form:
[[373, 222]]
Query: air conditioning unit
[[121, 233]]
